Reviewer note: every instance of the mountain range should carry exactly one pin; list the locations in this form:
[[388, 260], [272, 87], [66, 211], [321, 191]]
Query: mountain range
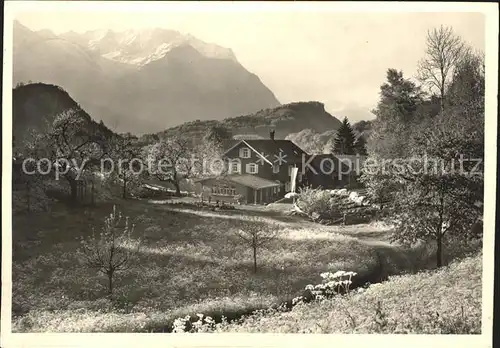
[[140, 81], [36, 105], [285, 119]]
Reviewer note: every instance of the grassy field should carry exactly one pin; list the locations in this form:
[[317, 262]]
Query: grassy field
[[446, 301], [191, 262]]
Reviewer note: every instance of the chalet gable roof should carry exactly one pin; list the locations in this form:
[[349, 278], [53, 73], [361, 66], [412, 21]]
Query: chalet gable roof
[[271, 147]]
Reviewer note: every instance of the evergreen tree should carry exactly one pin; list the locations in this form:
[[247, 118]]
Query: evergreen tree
[[396, 114], [344, 141]]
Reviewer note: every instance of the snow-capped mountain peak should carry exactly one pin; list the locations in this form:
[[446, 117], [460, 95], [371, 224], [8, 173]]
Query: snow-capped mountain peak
[[140, 47], [141, 81]]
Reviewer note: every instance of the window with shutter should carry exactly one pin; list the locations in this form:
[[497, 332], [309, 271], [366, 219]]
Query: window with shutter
[[235, 167], [245, 152], [252, 168]]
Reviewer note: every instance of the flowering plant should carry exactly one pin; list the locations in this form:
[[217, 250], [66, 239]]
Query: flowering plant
[[333, 283], [203, 324]]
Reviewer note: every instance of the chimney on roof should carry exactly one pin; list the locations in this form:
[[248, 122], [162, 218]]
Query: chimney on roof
[[271, 134]]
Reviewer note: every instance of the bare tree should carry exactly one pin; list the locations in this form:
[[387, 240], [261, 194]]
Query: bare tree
[[256, 234], [113, 250], [444, 51]]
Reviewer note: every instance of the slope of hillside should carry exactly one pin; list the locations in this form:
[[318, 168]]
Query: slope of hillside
[[445, 301], [313, 142], [363, 128], [34, 107], [141, 81], [285, 119]]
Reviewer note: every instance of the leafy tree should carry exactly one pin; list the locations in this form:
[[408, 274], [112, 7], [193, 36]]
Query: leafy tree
[[28, 184], [113, 250], [440, 198], [466, 103], [437, 190], [428, 108], [217, 135], [126, 157], [344, 140], [381, 186], [466, 89], [73, 143], [171, 160], [209, 160], [360, 146], [432, 184]]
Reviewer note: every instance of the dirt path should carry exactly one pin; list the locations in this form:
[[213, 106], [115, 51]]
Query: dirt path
[[370, 233]]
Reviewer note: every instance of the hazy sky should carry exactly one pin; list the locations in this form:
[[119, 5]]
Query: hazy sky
[[336, 58]]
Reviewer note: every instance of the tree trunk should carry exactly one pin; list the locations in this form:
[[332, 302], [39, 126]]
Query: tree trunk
[[177, 187], [439, 252], [441, 102], [110, 285], [254, 259], [124, 188], [439, 233], [442, 88], [73, 185]]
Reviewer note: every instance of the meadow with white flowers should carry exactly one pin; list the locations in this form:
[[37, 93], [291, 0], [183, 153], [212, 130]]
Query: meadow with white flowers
[[191, 272]]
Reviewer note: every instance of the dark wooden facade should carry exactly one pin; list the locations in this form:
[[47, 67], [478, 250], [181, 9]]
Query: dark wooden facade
[[272, 161], [227, 190]]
